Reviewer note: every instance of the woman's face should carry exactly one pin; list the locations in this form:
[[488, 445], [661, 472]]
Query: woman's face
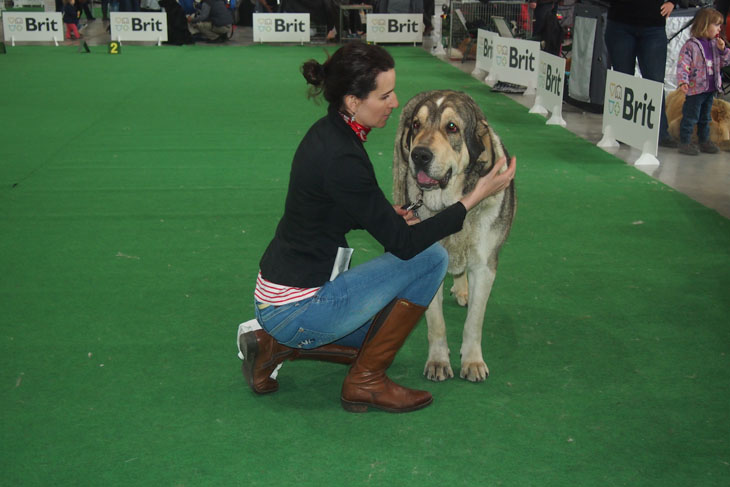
[[374, 110]]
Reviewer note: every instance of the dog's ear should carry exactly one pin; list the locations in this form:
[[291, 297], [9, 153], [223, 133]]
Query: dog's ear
[[493, 148], [402, 147]]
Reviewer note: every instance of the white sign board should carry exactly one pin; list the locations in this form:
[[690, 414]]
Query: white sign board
[[550, 85], [394, 28], [515, 61], [631, 112], [138, 26], [33, 26], [281, 27], [485, 50]]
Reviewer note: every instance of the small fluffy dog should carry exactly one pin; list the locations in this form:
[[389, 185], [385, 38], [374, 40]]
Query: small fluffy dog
[[443, 145], [719, 126]]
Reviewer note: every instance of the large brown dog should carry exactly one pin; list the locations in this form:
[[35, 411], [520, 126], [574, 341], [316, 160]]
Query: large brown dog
[[719, 126], [444, 144]]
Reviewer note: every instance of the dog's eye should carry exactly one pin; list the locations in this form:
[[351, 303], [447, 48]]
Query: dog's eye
[[452, 128], [416, 125]]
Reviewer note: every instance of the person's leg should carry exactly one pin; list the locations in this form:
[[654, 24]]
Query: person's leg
[[703, 125], [343, 309], [622, 45], [652, 56], [690, 115], [206, 30]]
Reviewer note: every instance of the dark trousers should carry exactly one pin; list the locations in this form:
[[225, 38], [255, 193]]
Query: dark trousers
[[628, 43], [696, 111]]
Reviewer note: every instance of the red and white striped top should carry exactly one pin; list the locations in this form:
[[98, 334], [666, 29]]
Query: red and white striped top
[[278, 295]]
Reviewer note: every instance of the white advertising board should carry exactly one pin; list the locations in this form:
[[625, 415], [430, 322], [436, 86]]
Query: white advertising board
[[485, 51], [550, 86], [33, 26], [138, 26], [631, 112], [281, 27], [515, 61], [394, 28]]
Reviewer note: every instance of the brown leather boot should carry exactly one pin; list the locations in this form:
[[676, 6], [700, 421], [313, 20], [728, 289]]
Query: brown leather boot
[[366, 384], [262, 354]]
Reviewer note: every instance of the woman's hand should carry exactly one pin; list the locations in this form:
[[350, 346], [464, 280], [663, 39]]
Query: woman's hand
[[667, 8], [408, 215], [684, 88], [491, 184]]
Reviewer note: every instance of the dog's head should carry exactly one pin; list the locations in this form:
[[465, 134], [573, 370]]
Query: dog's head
[[443, 145]]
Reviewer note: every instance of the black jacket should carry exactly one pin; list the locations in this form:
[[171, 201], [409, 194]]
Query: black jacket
[[645, 13], [332, 190]]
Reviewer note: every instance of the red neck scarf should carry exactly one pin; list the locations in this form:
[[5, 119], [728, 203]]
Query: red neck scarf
[[360, 130]]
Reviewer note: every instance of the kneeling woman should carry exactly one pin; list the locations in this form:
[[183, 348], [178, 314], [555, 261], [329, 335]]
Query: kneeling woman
[[364, 315]]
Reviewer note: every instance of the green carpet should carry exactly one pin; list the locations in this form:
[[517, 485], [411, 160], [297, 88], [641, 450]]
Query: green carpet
[[138, 192]]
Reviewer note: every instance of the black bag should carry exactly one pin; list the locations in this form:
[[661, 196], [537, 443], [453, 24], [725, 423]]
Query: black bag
[[587, 81]]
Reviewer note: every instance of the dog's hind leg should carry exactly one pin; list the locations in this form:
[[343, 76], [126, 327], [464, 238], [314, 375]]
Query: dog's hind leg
[[473, 367], [438, 367]]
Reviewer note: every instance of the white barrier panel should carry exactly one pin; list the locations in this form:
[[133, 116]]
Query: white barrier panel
[[33, 26], [550, 85], [281, 27], [394, 28], [631, 111], [138, 26], [485, 52], [515, 61]]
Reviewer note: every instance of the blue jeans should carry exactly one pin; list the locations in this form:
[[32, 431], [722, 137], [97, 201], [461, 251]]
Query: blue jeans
[[341, 312], [696, 111], [628, 43]]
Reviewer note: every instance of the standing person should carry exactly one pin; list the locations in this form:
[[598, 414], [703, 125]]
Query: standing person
[[83, 6], [636, 31], [366, 313], [698, 76], [70, 19], [541, 9]]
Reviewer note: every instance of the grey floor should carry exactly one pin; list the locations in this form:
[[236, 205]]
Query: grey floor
[[705, 178]]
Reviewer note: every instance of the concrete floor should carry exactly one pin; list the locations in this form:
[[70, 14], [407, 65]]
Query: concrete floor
[[705, 178]]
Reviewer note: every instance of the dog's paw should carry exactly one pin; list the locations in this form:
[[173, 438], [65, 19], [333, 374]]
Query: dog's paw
[[474, 371], [438, 371], [461, 294]]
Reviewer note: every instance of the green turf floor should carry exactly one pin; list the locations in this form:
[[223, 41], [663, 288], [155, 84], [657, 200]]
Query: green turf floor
[[137, 193]]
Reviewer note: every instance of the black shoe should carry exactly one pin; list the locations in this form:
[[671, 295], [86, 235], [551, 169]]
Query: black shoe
[[669, 142]]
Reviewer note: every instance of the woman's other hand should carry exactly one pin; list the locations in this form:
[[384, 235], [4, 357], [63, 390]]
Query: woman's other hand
[[491, 184]]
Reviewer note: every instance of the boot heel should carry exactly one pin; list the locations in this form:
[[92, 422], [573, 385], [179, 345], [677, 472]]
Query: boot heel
[[353, 407]]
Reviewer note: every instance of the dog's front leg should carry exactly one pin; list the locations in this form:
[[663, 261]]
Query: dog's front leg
[[473, 367], [438, 367]]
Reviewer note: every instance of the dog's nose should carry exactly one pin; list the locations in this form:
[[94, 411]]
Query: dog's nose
[[421, 156]]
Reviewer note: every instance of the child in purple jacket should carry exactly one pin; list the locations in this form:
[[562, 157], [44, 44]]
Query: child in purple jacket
[[699, 77]]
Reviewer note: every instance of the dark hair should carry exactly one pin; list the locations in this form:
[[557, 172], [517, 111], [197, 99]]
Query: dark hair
[[351, 70]]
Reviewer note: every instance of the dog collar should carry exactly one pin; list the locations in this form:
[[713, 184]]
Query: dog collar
[[360, 130]]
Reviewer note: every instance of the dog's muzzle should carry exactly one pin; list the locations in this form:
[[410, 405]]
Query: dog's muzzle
[[422, 158]]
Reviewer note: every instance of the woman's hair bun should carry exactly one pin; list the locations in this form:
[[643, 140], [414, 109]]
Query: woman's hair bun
[[313, 72]]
